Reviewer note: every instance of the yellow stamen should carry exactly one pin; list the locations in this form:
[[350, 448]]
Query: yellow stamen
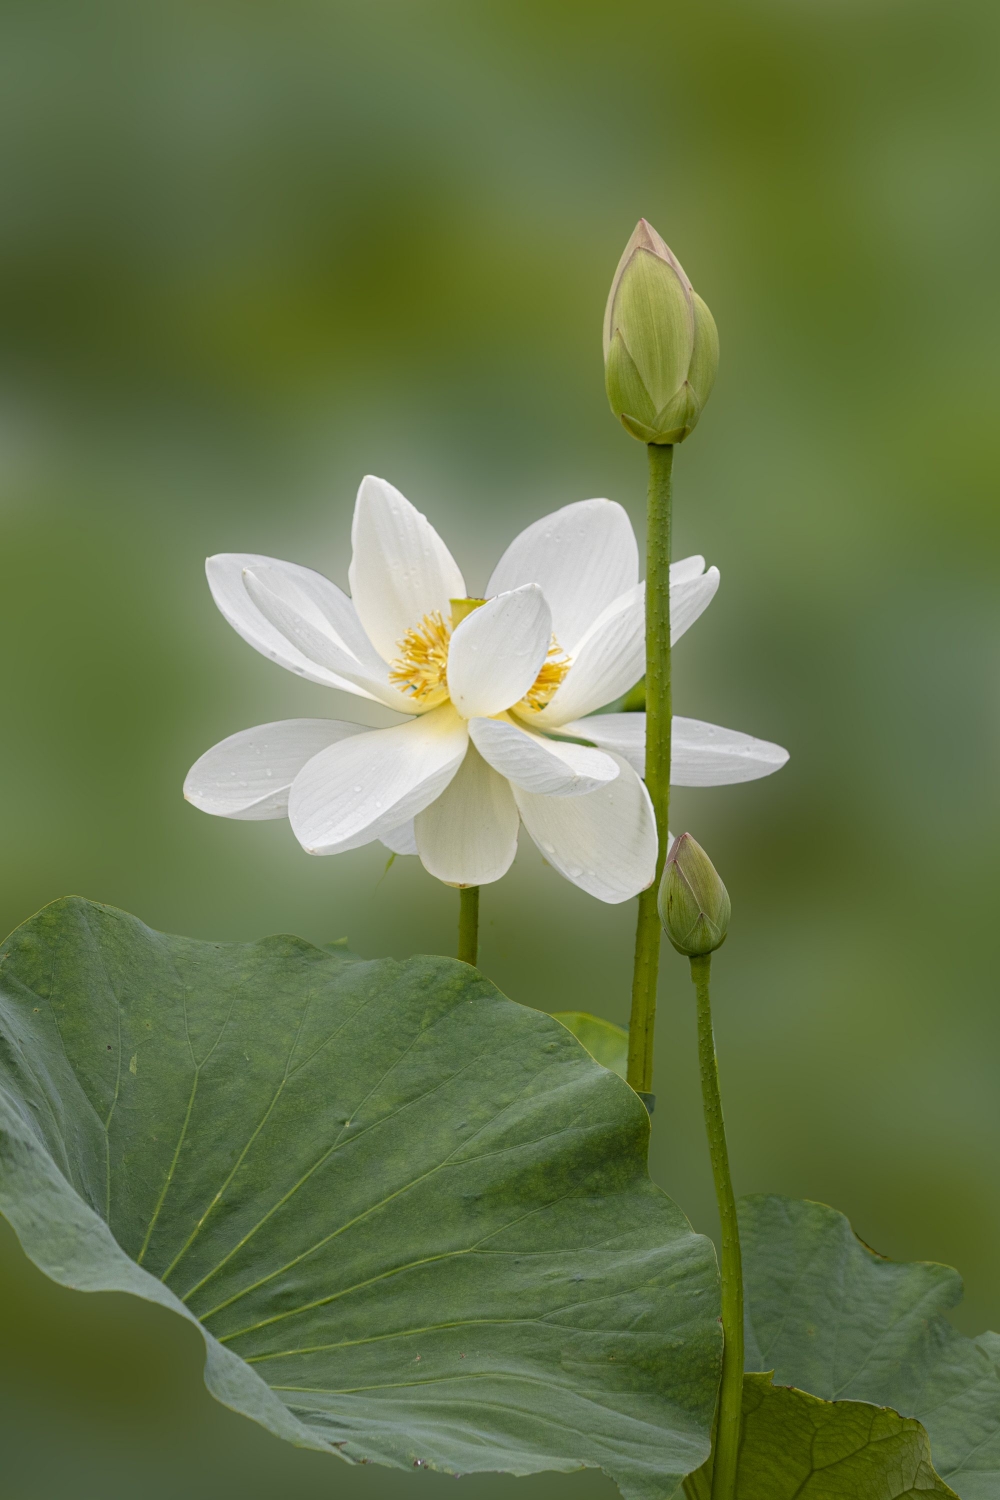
[[549, 679], [422, 665]]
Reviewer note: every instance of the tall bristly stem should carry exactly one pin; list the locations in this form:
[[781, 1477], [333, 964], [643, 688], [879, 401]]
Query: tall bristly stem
[[727, 1440], [468, 924], [658, 718]]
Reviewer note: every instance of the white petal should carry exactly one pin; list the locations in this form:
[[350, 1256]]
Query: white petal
[[537, 764], [497, 652], [707, 755], [290, 612], [469, 835], [690, 597], [700, 754], [685, 568], [401, 840], [605, 843], [606, 663], [625, 734], [368, 786], [327, 604], [612, 655], [248, 775], [583, 557], [401, 569]]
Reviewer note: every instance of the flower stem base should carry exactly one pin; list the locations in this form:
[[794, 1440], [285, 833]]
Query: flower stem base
[[468, 924], [727, 1438]]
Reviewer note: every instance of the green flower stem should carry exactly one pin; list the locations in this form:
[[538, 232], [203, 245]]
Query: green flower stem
[[658, 720], [727, 1438], [468, 924]]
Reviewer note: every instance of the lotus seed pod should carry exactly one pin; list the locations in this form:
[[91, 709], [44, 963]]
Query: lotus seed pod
[[661, 345], [694, 904]]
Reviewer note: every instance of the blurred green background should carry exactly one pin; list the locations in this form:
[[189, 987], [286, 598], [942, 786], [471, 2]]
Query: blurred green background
[[253, 250]]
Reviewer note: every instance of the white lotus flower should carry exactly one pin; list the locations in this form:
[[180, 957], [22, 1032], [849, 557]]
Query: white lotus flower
[[485, 684]]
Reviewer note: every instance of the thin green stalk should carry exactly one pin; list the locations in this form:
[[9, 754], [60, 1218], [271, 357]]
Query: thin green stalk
[[727, 1437], [468, 924], [658, 719]]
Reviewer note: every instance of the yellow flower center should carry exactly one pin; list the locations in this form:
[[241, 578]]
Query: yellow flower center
[[543, 689], [421, 668]]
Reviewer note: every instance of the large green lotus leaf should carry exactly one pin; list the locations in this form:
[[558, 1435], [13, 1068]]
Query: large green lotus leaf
[[411, 1218], [797, 1447], [825, 1313]]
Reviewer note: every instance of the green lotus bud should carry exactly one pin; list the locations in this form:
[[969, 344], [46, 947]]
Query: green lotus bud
[[661, 345], [694, 904]]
